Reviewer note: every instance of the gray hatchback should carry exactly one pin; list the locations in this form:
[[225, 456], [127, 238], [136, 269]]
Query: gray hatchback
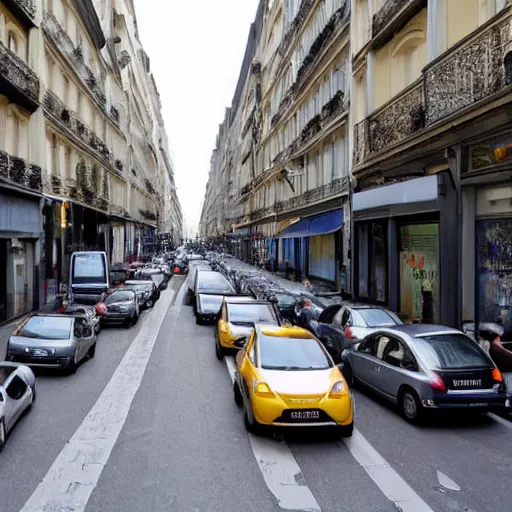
[[425, 367]]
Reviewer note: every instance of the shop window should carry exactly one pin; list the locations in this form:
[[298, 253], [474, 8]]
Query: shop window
[[419, 272], [494, 293], [372, 260], [490, 153]]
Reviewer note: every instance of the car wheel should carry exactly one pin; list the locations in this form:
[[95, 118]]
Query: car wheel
[[73, 366], [237, 394], [149, 304], [128, 322], [92, 351], [345, 430], [410, 406], [135, 319], [253, 427], [3, 434], [219, 350], [34, 394]]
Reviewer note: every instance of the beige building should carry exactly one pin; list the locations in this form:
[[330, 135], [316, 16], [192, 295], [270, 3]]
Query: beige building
[[432, 157], [279, 179], [82, 135]]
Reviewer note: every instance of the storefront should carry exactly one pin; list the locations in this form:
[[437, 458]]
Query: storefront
[[311, 246], [486, 179], [406, 246], [20, 231]]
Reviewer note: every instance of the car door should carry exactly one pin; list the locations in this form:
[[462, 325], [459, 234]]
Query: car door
[[81, 337], [363, 359], [17, 399], [398, 366]]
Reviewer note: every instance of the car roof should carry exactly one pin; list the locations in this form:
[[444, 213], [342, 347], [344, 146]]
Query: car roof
[[241, 300], [419, 330], [55, 315], [269, 330], [361, 305], [253, 301]]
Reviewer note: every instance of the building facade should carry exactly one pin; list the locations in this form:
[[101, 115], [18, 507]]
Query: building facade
[[431, 124], [282, 152], [396, 114], [82, 161]]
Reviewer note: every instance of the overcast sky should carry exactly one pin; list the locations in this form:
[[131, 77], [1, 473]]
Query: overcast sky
[[196, 50]]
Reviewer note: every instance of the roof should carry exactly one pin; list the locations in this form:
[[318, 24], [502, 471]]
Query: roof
[[270, 330], [243, 300], [419, 330]]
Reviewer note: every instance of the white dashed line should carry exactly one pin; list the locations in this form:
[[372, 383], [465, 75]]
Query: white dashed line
[[76, 471], [279, 468], [500, 420], [392, 485]]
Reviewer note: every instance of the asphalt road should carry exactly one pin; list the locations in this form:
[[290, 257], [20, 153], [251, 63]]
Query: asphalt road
[[150, 424]]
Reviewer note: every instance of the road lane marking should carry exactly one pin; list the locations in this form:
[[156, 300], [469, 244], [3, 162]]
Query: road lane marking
[[392, 485], [447, 482], [279, 468], [500, 420], [76, 471]]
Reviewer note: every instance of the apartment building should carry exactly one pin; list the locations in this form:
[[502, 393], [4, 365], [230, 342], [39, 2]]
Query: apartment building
[[281, 166], [82, 144]]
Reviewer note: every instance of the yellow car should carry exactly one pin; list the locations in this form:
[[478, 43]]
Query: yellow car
[[286, 378], [237, 318]]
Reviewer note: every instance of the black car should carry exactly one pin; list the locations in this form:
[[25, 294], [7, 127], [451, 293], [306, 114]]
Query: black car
[[149, 288], [122, 307], [209, 291]]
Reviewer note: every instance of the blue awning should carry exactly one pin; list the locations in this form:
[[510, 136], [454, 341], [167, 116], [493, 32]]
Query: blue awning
[[323, 224]]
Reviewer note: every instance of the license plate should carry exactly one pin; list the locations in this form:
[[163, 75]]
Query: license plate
[[467, 383], [40, 352], [305, 415]]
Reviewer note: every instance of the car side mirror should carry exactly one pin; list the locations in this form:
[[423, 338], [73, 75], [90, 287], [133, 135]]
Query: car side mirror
[[341, 367]]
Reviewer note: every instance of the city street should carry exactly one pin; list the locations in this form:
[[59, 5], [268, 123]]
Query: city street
[[150, 424]]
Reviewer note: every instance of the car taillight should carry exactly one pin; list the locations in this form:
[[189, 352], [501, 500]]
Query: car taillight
[[437, 383], [348, 332], [496, 375]]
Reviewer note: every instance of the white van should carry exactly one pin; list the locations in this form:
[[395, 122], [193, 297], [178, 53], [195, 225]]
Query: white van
[[88, 276]]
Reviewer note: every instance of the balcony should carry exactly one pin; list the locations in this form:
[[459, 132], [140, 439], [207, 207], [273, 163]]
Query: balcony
[[24, 10], [70, 121], [16, 171], [61, 40], [474, 71], [331, 190], [391, 17], [18, 81]]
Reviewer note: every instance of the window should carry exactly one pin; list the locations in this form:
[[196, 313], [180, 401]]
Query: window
[[65, 92], [17, 388], [47, 327], [68, 170], [368, 346], [12, 43], [55, 155], [251, 313], [394, 352]]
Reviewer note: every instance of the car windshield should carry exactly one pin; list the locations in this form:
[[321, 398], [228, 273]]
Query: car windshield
[[88, 267], [123, 296], [281, 353], [213, 282], [372, 317], [254, 313], [47, 327], [284, 299], [451, 351]]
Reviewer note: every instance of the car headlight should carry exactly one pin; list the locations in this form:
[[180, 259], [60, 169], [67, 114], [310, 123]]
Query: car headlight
[[338, 390]]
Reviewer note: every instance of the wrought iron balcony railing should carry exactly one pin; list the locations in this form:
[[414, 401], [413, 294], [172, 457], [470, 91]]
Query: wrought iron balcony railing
[[17, 171], [472, 71], [23, 9], [19, 81]]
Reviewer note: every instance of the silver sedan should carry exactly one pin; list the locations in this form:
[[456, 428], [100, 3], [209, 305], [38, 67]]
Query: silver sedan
[[17, 393], [52, 341], [425, 367]]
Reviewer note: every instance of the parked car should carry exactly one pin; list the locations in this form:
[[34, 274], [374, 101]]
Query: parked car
[[52, 341], [88, 276], [280, 371], [238, 315], [210, 289], [150, 284], [122, 307], [156, 275], [358, 320], [17, 394], [422, 368], [87, 311]]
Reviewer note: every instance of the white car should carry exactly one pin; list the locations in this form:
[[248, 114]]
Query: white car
[[17, 394]]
